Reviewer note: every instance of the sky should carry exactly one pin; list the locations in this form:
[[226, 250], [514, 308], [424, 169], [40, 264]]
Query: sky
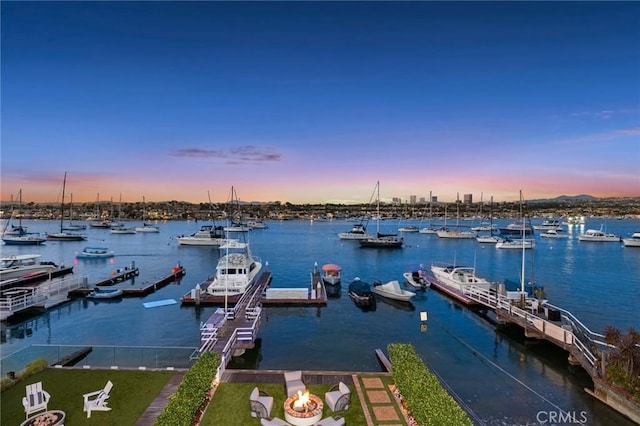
[[307, 102]]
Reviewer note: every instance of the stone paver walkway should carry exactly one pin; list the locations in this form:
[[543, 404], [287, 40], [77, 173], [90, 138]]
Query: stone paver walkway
[[380, 405]]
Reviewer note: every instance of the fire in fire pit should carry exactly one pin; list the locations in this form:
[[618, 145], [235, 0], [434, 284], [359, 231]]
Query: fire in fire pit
[[303, 403]]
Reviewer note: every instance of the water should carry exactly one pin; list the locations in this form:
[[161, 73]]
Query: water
[[500, 376]]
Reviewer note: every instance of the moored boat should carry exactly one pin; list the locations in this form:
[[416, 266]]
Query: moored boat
[[104, 293], [207, 235], [95, 253], [488, 239], [633, 241], [63, 235], [392, 290], [358, 232], [554, 233], [598, 235], [331, 273], [416, 277], [23, 240], [518, 243], [23, 265], [548, 224], [122, 230], [516, 229], [236, 271], [361, 294]]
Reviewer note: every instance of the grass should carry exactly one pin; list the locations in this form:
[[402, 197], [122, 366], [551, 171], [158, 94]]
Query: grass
[[230, 404], [132, 393]]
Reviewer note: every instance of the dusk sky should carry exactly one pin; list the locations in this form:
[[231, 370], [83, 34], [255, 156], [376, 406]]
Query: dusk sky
[[307, 102]]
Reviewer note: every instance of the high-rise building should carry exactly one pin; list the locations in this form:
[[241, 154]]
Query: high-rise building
[[412, 199], [468, 198]]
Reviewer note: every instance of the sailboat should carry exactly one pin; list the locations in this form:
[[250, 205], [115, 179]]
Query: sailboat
[[429, 229], [63, 235], [71, 226], [18, 234], [146, 227], [491, 238], [236, 225], [522, 243], [455, 233], [120, 228], [207, 235], [381, 240], [98, 222]]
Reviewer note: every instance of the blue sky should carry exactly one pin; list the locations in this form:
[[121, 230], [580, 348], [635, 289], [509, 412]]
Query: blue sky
[[315, 102]]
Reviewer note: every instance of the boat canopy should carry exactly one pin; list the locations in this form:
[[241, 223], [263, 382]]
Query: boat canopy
[[331, 267]]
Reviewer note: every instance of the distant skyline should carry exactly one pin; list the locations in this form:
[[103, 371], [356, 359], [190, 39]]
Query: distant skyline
[[314, 102]]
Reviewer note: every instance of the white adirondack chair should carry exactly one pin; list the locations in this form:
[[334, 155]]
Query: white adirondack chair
[[97, 401], [36, 399]]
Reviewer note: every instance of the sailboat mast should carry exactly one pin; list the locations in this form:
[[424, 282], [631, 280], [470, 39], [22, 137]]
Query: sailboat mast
[[378, 210], [523, 245], [64, 184]]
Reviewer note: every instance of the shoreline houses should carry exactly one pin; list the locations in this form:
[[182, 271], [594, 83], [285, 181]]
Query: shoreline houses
[[614, 208]]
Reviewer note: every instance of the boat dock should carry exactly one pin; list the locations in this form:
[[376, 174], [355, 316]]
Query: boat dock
[[119, 275], [313, 295], [543, 321], [231, 330], [133, 290], [40, 298]]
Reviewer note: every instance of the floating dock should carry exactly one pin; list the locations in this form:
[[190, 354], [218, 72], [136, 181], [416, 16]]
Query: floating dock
[[313, 295], [135, 290]]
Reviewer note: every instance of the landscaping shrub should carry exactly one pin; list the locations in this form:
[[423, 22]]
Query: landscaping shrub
[[187, 402], [428, 402]]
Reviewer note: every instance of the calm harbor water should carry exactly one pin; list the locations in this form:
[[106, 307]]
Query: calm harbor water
[[501, 377]]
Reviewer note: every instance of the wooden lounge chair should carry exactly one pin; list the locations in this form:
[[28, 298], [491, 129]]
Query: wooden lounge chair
[[338, 397], [36, 399], [293, 382], [97, 401], [260, 403]]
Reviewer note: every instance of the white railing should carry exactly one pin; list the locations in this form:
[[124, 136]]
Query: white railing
[[560, 333], [20, 298]]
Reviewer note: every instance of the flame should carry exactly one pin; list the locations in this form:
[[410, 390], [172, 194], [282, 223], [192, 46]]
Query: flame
[[302, 401]]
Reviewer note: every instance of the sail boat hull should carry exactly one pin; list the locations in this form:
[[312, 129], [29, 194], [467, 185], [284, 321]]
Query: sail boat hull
[[18, 235], [381, 240]]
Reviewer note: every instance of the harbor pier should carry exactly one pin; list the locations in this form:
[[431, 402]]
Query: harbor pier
[[541, 320]]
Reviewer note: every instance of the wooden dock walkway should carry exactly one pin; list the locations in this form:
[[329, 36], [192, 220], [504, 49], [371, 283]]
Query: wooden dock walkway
[[119, 276], [135, 290], [316, 295]]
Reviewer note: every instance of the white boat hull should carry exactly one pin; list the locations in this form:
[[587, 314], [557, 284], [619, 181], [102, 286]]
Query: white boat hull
[[200, 241], [392, 290], [416, 282]]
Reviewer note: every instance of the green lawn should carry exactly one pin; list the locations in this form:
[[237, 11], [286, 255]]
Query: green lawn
[[230, 404], [132, 393]]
